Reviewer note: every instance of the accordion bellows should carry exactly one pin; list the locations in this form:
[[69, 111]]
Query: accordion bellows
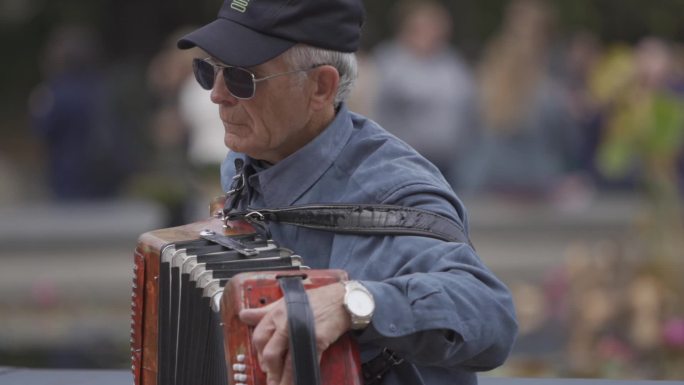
[[187, 291]]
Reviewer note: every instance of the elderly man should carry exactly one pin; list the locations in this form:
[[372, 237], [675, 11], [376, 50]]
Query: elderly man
[[279, 72]]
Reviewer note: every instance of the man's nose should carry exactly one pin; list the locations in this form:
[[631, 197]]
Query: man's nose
[[220, 93]]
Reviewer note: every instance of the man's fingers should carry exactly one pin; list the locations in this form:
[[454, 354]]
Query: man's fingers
[[253, 316], [273, 355], [264, 329], [287, 376], [270, 336]]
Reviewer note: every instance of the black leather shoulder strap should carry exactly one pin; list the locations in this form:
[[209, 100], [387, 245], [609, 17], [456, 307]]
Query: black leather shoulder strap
[[361, 219], [302, 332]]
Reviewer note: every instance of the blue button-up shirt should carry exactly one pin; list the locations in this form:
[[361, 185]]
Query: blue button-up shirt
[[437, 305]]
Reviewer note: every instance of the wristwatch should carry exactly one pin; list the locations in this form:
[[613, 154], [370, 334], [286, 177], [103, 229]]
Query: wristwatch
[[359, 304]]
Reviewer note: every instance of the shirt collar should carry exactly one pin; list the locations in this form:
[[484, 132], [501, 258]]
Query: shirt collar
[[283, 183]]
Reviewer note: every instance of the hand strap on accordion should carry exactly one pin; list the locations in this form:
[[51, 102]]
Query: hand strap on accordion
[[302, 334], [360, 219]]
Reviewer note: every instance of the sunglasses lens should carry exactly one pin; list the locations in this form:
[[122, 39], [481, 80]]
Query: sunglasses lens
[[240, 82], [204, 73]]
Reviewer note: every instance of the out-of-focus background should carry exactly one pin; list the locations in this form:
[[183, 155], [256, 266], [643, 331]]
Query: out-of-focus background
[[559, 123]]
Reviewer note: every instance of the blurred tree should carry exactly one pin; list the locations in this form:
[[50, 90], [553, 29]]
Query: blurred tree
[[644, 137], [645, 134]]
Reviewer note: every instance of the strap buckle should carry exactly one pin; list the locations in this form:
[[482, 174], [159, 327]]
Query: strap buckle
[[376, 368], [392, 358], [255, 216]]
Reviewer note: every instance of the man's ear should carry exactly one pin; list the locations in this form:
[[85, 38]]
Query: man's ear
[[326, 81]]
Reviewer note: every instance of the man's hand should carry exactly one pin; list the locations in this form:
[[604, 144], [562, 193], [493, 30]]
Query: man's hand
[[271, 337]]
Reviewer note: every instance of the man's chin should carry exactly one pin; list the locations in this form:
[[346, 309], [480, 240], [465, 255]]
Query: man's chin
[[232, 144], [236, 145]]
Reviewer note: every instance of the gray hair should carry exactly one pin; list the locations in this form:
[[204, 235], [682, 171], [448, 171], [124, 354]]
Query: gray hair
[[306, 56]]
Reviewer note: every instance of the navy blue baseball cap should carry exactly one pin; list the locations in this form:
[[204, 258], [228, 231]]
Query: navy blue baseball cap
[[251, 32]]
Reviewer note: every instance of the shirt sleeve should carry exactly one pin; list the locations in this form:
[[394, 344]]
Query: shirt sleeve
[[436, 302]]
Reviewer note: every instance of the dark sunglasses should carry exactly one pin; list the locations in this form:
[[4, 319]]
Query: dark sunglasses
[[240, 82]]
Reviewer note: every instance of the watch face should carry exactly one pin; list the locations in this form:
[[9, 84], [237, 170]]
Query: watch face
[[360, 303]]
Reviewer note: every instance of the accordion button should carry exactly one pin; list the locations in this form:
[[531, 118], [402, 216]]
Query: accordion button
[[239, 367], [240, 377], [240, 358]]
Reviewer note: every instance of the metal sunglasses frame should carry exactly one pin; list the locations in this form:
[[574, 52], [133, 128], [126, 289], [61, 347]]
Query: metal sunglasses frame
[[255, 80]]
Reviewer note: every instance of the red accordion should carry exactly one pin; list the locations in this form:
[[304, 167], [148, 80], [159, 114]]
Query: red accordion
[[190, 282]]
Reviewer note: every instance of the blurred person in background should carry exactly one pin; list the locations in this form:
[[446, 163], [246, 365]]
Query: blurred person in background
[[575, 66], [168, 177], [205, 149], [363, 96], [425, 91], [642, 104], [527, 141], [86, 153], [184, 153], [184, 136]]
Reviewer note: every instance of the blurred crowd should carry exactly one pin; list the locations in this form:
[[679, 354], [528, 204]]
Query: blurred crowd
[[105, 135], [538, 114]]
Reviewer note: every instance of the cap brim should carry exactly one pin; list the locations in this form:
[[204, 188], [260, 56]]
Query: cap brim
[[235, 44]]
